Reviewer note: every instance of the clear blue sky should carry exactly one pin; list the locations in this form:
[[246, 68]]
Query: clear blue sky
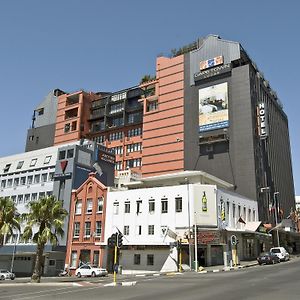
[[109, 45]]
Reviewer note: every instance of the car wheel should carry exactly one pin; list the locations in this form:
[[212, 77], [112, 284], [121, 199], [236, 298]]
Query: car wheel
[[93, 274], [78, 274], [2, 277], [12, 278]]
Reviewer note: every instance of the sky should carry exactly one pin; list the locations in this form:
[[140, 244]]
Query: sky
[[99, 45]]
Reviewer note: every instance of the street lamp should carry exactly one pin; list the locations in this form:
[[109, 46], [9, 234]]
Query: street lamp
[[189, 221], [276, 216]]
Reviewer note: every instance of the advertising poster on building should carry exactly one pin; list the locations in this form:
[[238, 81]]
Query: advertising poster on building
[[213, 107], [205, 209]]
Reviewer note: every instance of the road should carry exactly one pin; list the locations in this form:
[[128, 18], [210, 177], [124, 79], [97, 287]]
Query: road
[[274, 282]]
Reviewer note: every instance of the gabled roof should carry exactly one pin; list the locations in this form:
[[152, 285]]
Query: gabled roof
[[91, 178]]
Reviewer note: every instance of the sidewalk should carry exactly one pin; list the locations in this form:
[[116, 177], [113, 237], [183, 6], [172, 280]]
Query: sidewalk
[[221, 268]]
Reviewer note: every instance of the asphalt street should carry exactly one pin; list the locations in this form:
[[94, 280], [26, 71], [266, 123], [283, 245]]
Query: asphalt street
[[280, 281]]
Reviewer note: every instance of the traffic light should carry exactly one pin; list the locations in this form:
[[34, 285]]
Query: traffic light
[[112, 240], [179, 245], [120, 239]]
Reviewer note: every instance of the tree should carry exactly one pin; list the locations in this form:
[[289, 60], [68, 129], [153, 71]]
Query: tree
[[47, 215], [9, 219]]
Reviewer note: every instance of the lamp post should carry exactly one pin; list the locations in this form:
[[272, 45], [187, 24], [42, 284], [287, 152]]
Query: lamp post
[[189, 223], [276, 217]]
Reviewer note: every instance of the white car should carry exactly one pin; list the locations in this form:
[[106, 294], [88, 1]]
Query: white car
[[281, 253], [87, 270], [5, 274]]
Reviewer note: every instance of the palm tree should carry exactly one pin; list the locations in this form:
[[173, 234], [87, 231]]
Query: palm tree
[[47, 215], [8, 218]]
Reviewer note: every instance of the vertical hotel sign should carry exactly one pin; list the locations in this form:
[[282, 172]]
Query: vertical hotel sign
[[262, 121]]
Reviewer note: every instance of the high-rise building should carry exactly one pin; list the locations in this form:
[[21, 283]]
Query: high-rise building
[[208, 108]]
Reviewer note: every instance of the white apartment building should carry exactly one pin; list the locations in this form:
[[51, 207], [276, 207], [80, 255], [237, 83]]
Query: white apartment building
[[156, 212], [26, 177]]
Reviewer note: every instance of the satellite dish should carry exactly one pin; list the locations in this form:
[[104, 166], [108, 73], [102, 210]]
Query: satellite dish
[[97, 168]]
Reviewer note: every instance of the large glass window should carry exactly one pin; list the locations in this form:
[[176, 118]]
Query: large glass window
[[138, 206]]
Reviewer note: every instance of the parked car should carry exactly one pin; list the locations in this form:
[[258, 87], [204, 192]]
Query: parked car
[[87, 270], [5, 274], [281, 253], [268, 258]]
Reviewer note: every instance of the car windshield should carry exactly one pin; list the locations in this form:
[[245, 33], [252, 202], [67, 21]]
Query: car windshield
[[265, 253]]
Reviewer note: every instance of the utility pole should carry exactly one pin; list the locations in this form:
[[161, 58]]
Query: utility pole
[[276, 216]]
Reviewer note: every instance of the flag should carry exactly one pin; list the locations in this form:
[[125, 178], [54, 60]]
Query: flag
[[240, 220]]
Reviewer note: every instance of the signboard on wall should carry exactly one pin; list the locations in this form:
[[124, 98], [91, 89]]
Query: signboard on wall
[[210, 63], [262, 121], [213, 107]]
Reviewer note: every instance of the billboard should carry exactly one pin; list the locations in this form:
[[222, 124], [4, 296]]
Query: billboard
[[211, 63], [205, 209], [213, 107]]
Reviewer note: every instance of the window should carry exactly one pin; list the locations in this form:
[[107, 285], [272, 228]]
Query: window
[[253, 215], [233, 210], [49, 193], [42, 195], [76, 229], [89, 206], [151, 206], [152, 105], [249, 215], [138, 206], [133, 163], [67, 127], [151, 230], [37, 178], [62, 155], [118, 165], [73, 259], [78, 207], [150, 259], [33, 162], [29, 179], [23, 180], [164, 206], [178, 204], [16, 181], [134, 147], [126, 230], [14, 199], [134, 132], [70, 153], [34, 197], [87, 229], [74, 125], [137, 259], [227, 208], [44, 177], [47, 160], [127, 207], [138, 229], [20, 164], [100, 204], [26, 198], [96, 258], [3, 183], [6, 168], [98, 228], [9, 183], [116, 208], [51, 176], [20, 199], [40, 111]]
